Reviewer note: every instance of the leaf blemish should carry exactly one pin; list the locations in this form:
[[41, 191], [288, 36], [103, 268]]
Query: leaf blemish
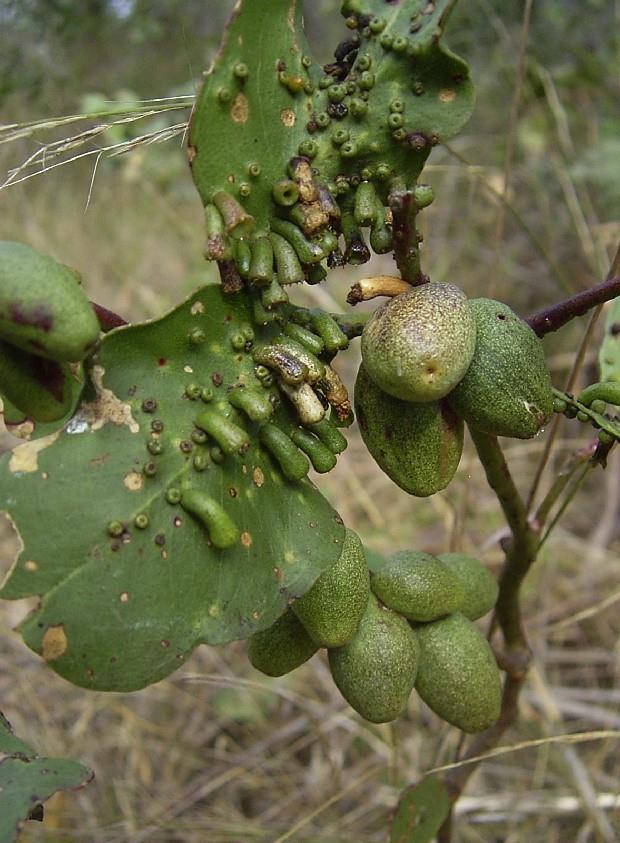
[[54, 642]]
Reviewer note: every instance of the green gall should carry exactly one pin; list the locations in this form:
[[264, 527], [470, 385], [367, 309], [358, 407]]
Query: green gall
[[376, 671], [507, 388], [418, 585], [332, 610], [479, 585], [458, 676], [222, 530], [419, 345], [283, 647]]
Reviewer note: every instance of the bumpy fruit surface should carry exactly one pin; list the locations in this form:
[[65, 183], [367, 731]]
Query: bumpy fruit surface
[[458, 676], [43, 309], [418, 586], [375, 672], [479, 584], [281, 648], [507, 388], [39, 388], [418, 345], [331, 611], [418, 446]]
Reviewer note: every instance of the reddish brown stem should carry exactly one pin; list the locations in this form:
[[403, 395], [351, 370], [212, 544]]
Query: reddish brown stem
[[557, 315]]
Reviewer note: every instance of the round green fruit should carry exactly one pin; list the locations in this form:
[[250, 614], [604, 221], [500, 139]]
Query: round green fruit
[[418, 446], [39, 388], [458, 677], [282, 647], [418, 345], [375, 672], [479, 585], [507, 389], [418, 586], [331, 611], [43, 309]]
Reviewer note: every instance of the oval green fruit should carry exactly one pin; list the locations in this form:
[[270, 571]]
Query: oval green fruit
[[418, 345], [458, 677], [418, 446], [331, 611], [39, 388], [43, 309], [507, 389], [418, 585], [479, 585], [282, 647], [375, 672]]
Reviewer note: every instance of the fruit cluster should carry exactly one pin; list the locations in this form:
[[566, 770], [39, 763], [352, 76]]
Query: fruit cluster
[[432, 359], [46, 323], [405, 623]]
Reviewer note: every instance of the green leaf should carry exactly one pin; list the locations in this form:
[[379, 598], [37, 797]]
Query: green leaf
[[131, 581], [609, 354], [27, 780], [420, 812]]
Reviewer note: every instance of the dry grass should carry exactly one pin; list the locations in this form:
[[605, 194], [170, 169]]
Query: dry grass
[[217, 752]]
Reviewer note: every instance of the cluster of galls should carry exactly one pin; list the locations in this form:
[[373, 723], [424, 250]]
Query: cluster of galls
[[432, 359], [407, 624], [47, 326]]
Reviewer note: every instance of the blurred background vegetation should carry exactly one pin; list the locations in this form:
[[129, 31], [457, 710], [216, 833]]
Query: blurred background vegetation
[[527, 210]]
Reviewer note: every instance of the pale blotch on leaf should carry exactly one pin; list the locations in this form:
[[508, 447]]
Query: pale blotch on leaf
[[246, 540], [25, 458], [290, 556], [124, 597], [30, 565], [258, 477], [197, 308], [447, 95], [106, 407], [288, 117], [54, 642], [214, 611], [240, 109], [133, 481]]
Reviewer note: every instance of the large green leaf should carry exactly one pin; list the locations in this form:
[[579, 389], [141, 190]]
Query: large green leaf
[[27, 780], [130, 582]]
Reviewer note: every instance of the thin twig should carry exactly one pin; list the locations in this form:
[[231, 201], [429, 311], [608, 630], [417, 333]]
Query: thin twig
[[557, 315]]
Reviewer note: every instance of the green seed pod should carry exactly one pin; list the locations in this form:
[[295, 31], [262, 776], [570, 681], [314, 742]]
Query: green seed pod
[[418, 586], [375, 672], [223, 532], [261, 264], [281, 648], [43, 309], [231, 438], [39, 388], [287, 263], [418, 446], [236, 220], [217, 246], [253, 402], [306, 402], [332, 610], [273, 294], [457, 674], [419, 345], [330, 332], [306, 338], [316, 369], [329, 435], [322, 459], [606, 391], [507, 388], [291, 370], [307, 251], [285, 193], [365, 208], [479, 585], [243, 257], [293, 463]]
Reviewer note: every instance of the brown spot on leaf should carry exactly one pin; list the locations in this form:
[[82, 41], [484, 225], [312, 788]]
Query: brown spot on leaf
[[54, 642], [258, 477], [246, 540]]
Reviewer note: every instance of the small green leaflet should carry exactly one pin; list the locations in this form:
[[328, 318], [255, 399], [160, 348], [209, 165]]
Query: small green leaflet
[[420, 812], [609, 354]]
